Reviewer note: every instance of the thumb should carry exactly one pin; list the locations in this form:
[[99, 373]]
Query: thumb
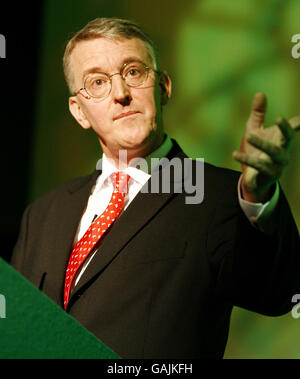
[[258, 110]]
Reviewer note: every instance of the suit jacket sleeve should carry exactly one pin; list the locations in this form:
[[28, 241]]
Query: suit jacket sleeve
[[253, 270]]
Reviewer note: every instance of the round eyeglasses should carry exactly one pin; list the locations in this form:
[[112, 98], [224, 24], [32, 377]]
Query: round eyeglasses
[[98, 84]]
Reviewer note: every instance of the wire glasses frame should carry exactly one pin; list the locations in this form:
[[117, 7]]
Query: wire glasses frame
[[98, 85]]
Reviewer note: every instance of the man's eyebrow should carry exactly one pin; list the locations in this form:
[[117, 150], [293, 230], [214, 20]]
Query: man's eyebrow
[[98, 69], [91, 70]]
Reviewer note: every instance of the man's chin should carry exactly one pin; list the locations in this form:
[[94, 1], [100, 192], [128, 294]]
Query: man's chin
[[136, 148], [135, 140], [139, 141]]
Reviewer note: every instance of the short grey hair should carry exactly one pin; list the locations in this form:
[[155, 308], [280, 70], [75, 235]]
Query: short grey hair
[[112, 28]]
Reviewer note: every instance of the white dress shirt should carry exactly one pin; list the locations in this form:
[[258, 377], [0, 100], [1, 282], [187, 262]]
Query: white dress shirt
[[101, 192]]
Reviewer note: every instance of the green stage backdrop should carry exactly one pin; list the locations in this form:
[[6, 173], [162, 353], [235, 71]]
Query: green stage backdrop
[[218, 53]]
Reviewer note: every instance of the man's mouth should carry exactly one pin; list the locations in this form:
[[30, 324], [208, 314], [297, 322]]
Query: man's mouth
[[125, 114]]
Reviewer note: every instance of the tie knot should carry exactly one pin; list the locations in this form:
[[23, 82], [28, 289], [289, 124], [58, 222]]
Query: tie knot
[[120, 181]]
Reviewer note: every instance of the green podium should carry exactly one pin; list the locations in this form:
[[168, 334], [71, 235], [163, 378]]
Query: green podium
[[32, 326]]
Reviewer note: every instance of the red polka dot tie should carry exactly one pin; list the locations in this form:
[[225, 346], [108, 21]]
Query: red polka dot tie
[[96, 230]]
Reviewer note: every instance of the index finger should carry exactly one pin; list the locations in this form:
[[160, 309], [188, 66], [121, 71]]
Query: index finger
[[258, 110]]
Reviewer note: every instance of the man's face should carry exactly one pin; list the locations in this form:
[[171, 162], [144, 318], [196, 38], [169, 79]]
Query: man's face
[[129, 118]]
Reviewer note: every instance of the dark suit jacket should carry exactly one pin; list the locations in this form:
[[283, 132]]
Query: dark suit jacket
[[166, 276]]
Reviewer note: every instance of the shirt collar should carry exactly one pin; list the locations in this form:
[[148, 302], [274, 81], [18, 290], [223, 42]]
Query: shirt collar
[[141, 174]]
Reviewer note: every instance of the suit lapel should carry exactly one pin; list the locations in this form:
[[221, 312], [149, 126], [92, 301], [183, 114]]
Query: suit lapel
[[142, 208]]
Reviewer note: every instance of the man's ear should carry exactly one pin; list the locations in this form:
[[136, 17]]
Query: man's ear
[[166, 87], [77, 112]]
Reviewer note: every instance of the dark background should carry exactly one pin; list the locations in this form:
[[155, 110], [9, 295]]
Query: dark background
[[20, 23]]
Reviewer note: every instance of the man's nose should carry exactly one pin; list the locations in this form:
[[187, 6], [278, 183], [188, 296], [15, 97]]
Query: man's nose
[[120, 90]]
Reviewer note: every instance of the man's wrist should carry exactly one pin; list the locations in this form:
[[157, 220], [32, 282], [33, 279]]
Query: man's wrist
[[262, 196], [260, 214]]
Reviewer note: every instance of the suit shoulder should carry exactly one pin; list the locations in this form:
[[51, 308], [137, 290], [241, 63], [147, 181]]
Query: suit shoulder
[[63, 189]]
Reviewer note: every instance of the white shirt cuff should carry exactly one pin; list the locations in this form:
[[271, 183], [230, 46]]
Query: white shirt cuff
[[259, 214]]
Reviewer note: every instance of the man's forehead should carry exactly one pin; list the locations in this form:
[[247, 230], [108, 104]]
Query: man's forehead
[[104, 52]]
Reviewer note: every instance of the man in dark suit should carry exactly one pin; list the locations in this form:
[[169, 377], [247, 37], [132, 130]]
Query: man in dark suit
[[163, 277]]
